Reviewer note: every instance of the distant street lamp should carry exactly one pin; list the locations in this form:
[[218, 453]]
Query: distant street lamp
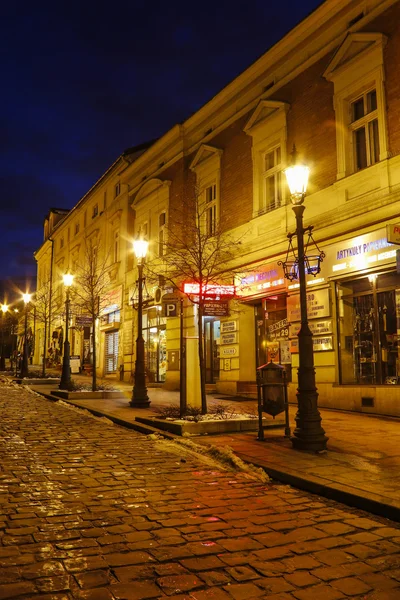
[[140, 398], [24, 363], [65, 382], [4, 309], [308, 434]]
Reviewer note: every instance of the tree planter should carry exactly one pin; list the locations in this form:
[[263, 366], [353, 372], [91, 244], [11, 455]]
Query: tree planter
[[180, 427], [82, 395]]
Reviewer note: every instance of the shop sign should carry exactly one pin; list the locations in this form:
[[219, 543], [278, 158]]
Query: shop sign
[[278, 330], [320, 344], [83, 320], [229, 338], [75, 363], [228, 351], [355, 254], [316, 328], [267, 277], [227, 326], [393, 233], [111, 301], [209, 290], [216, 309], [318, 305]]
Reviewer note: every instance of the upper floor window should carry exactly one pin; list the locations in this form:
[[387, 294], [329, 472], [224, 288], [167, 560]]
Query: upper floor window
[[95, 210], [359, 101], [117, 189], [162, 219], [211, 209], [272, 179], [267, 126], [116, 246], [365, 130]]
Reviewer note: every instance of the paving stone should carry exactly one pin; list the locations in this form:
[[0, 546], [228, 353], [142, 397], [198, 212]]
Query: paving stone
[[351, 586], [140, 591]]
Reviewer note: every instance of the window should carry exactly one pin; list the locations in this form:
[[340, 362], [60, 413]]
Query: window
[[161, 233], [211, 209], [117, 189], [359, 101], [267, 127], [207, 166], [77, 227], [272, 179], [116, 246], [364, 128]]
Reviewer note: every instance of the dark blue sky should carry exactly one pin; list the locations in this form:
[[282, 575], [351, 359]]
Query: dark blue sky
[[82, 83]]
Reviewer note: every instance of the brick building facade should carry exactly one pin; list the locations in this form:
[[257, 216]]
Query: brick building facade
[[330, 87]]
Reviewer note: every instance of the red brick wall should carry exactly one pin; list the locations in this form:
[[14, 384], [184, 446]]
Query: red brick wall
[[311, 123], [389, 24]]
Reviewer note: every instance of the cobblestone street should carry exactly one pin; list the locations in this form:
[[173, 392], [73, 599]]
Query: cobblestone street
[[91, 510]]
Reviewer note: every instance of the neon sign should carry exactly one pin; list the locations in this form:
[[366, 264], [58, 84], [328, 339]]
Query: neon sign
[[209, 289]]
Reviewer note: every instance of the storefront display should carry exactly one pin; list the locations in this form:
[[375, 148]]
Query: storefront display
[[369, 325]]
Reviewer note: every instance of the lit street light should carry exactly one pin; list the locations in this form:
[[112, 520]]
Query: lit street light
[[24, 363], [4, 309], [308, 434], [65, 382], [140, 398]]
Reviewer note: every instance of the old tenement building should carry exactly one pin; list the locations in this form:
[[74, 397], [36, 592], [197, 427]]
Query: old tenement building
[[330, 87]]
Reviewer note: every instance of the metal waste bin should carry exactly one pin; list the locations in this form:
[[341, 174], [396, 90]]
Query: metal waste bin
[[272, 394]]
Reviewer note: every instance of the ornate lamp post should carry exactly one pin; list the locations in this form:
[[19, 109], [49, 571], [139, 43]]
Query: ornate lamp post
[[4, 309], [65, 382], [140, 398], [308, 434], [24, 363]]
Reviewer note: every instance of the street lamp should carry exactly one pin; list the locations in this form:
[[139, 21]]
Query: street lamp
[[4, 309], [24, 372], [308, 434], [65, 382], [140, 398]]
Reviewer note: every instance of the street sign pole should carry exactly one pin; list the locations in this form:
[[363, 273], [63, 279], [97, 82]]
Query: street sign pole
[[182, 372]]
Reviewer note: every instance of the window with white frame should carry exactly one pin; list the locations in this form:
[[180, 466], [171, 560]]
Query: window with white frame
[[267, 127], [272, 187], [365, 130], [207, 166], [162, 220], [116, 246], [211, 209], [357, 73]]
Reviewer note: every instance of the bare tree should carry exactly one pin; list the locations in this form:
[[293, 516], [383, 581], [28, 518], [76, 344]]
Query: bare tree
[[196, 247], [42, 306], [90, 287]]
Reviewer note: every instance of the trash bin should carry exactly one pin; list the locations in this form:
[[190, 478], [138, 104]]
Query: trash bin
[[272, 394]]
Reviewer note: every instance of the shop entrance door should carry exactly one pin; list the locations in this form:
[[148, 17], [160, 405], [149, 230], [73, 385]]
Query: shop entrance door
[[156, 354], [111, 352], [212, 329]]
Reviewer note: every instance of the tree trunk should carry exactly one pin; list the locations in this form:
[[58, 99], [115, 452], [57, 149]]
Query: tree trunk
[[201, 360], [44, 349], [94, 383]]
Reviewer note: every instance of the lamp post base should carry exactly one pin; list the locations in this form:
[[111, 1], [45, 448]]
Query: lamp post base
[[142, 401], [309, 435]]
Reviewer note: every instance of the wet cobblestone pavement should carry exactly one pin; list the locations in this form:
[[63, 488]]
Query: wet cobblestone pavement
[[89, 510]]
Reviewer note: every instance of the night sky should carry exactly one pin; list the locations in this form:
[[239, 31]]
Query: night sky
[[82, 83]]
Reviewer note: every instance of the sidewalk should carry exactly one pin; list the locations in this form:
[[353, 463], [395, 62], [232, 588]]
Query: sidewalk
[[361, 467]]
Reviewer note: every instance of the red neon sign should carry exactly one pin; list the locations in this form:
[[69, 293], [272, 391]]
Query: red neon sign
[[209, 289]]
